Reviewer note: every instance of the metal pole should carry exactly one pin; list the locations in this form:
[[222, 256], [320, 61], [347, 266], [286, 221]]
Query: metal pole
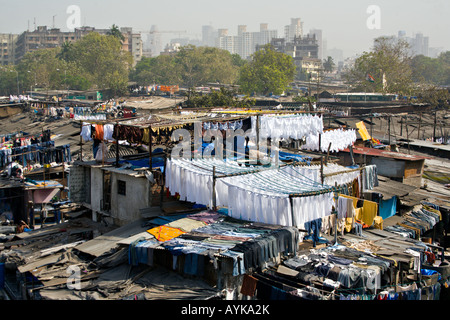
[[214, 189], [150, 146]]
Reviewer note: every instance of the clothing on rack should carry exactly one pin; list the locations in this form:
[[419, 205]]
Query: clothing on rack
[[287, 126], [340, 139]]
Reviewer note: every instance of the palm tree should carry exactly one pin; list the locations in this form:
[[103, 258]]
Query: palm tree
[[66, 49], [328, 64], [115, 32]]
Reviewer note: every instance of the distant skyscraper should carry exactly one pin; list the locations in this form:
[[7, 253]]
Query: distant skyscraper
[[320, 42], [154, 41], [208, 36], [418, 45], [295, 29]]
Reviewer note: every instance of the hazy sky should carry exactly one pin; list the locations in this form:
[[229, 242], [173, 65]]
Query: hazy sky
[[344, 23]]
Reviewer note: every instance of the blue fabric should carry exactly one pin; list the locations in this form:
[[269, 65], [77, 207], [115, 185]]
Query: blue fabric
[[388, 208]]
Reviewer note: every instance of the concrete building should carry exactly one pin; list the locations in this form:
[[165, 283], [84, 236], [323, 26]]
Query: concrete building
[[419, 44], [294, 29], [208, 36], [320, 42], [44, 38], [7, 48], [111, 193]]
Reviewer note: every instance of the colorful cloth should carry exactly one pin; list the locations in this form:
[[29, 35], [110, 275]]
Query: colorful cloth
[[164, 233]]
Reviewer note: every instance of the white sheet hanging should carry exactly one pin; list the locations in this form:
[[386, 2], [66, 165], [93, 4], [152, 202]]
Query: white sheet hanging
[[339, 139]]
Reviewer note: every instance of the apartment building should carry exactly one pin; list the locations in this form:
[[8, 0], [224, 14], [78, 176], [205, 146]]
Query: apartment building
[[7, 48], [44, 38]]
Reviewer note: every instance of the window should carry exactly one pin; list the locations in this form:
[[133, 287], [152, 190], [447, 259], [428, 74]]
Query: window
[[121, 187]]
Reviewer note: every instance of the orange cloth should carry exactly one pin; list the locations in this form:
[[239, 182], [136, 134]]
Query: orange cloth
[[99, 131], [164, 233]]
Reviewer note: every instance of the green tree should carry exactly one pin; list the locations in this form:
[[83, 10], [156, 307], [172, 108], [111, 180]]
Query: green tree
[[268, 71], [8, 81], [328, 64], [115, 32], [388, 63], [431, 70], [161, 69], [224, 97], [103, 62], [190, 67]]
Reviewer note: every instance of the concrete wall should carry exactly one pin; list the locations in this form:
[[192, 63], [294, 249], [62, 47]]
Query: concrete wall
[[96, 188], [125, 208]]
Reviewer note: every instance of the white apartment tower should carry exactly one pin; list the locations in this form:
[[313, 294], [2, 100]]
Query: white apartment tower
[[295, 29]]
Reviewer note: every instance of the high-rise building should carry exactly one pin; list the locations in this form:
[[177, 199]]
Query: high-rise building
[[418, 45], [208, 36], [320, 42], [293, 30], [7, 48]]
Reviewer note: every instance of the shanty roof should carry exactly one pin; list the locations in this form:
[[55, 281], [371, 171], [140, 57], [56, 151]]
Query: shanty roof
[[385, 154]]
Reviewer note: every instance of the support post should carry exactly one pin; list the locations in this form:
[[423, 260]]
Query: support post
[[117, 147], [214, 206]]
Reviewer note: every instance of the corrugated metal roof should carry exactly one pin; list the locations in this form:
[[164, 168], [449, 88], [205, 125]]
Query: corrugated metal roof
[[385, 154], [104, 243]]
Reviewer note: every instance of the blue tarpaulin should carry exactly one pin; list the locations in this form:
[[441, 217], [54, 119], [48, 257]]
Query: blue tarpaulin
[[388, 208]]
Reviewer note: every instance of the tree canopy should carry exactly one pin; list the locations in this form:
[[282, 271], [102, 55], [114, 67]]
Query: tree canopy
[[191, 66], [268, 71], [93, 62], [385, 69]]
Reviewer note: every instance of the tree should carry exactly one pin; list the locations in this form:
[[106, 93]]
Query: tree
[[103, 62], [8, 80], [268, 71], [161, 69], [431, 70], [218, 98], [388, 65], [328, 64], [192, 66], [115, 32]]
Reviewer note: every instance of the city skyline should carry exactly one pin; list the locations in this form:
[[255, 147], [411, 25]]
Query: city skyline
[[344, 24]]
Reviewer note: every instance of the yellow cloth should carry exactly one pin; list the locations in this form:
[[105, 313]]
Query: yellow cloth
[[164, 233], [358, 213], [378, 223], [348, 224], [363, 131], [369, 212], [146, 136]]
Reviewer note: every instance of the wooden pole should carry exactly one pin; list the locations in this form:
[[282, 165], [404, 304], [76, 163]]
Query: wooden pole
[[150, 137], [389, 130], [117, 147], [81, 141]]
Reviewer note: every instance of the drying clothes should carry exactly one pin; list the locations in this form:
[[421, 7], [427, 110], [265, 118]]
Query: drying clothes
[[146, 136], [164, 233], [306, 209], [345, 207], [340, 139], [206, 217], [369, 212], [108, 130], [86, 132], [369, 177], [248, 287], [186, 224], [287, 126], [98, 132]]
